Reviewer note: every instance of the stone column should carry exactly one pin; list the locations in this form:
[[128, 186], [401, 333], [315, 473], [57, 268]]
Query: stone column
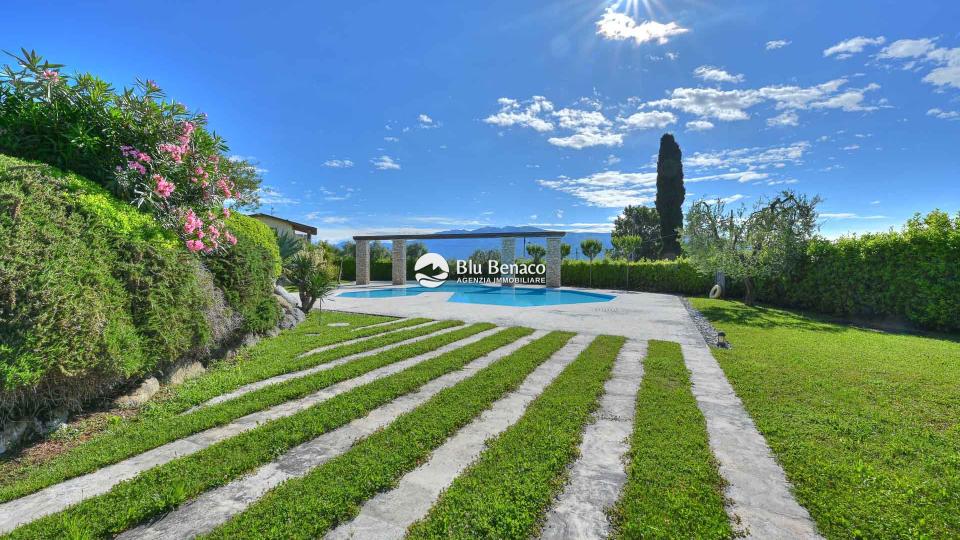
[[363, 262], [508, 250], [399, 262], [553, 261]]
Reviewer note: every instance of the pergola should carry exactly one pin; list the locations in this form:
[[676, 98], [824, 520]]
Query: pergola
[[508, 246]]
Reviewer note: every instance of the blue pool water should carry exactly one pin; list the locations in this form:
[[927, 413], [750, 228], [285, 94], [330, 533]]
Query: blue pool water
[[494, 295]]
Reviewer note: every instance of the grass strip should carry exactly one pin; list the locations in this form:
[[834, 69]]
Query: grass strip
[[673, 488], [317, 322], [162, 488], [507, 491], [865, 423], [149, 431], [309, 506]]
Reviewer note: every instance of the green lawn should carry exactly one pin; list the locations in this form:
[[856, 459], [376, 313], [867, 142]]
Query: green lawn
[[865, 423], [507, 491], [673, 488]]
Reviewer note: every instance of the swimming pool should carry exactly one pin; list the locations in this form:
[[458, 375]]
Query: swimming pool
[[493, 295]]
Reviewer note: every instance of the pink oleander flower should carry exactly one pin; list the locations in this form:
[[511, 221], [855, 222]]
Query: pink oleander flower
[[51, 75], [213, 232], [164, 188], [198, 171], [137, 166], [231, 239], [195, 245], [192, 223], [226, 212], [224, 187]]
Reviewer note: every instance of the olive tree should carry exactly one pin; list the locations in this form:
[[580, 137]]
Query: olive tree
[[751, 245], [536, 252]]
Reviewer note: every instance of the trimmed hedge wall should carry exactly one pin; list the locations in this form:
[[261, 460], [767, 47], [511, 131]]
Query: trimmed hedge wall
[[650, 276], [911, 275]]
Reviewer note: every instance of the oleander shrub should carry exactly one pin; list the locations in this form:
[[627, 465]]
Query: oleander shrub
[[92, 292], [149, 151], [248, 271]]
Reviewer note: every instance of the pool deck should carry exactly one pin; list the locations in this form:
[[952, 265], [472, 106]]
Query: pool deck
[[637, 315]]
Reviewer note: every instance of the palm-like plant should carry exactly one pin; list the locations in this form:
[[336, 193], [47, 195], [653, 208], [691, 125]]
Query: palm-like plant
[[289, 244], [308, 270]]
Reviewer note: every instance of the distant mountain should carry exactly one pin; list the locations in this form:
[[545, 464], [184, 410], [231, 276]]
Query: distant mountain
[[461, 249]]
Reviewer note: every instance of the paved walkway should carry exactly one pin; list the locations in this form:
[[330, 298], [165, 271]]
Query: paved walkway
[[215, 507], [247, 388], [60, 496], [598, 476], [388, 515]]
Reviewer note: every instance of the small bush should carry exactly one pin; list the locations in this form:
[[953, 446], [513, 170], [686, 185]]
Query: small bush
[[247, 272]]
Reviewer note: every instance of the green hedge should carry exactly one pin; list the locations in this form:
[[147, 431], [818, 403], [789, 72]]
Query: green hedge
[[911, 275], [247, 272], [650, 276], [92, 292]]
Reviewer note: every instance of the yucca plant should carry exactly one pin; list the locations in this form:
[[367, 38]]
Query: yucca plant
[[308, 270]]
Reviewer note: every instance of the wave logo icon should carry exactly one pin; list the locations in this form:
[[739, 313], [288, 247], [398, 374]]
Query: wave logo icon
[[436, 265]]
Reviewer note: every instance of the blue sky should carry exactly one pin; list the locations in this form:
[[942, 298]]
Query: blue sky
[[399, 116]]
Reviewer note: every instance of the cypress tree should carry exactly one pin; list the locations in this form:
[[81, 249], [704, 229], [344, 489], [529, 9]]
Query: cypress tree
[[670, 194]]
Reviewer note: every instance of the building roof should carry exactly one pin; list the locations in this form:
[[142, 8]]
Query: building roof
[[300, 227]]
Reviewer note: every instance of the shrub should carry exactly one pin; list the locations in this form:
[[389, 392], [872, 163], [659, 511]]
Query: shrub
[[911, 274], [677, 276], [93, 291], [151, 152], [247, 273], [309, 272]]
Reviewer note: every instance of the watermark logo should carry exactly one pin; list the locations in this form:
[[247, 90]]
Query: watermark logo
[[436, 265]]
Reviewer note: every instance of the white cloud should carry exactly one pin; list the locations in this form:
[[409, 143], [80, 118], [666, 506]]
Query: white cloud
[[385, 163], [649, 120], [512, 114], [576, 227], [848, 215], [908, 48], [587, 138], [787, 118], [580, 119], [608, 189], [846, 49], [333, 219], [754, 158], [733, 198], [699, 125], [714, 74], [559, 214], [272, 196], [392, 139], [947, 61], [612, 160], [620, 26], [449, 221], [338, 163], [424, 119], [851, 147], [945, 115], [731, 105], [777, 44]]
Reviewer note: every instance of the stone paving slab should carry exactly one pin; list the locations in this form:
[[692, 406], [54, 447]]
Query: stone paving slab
[[206, 512], [65, 494], [247, 388], [597, 477], [389, 514], [759, 493]]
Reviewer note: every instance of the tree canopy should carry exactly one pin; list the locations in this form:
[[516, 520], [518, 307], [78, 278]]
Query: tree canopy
[[670, 195]]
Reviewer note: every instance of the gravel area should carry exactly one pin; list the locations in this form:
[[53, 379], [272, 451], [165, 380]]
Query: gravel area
[[707, 330]]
